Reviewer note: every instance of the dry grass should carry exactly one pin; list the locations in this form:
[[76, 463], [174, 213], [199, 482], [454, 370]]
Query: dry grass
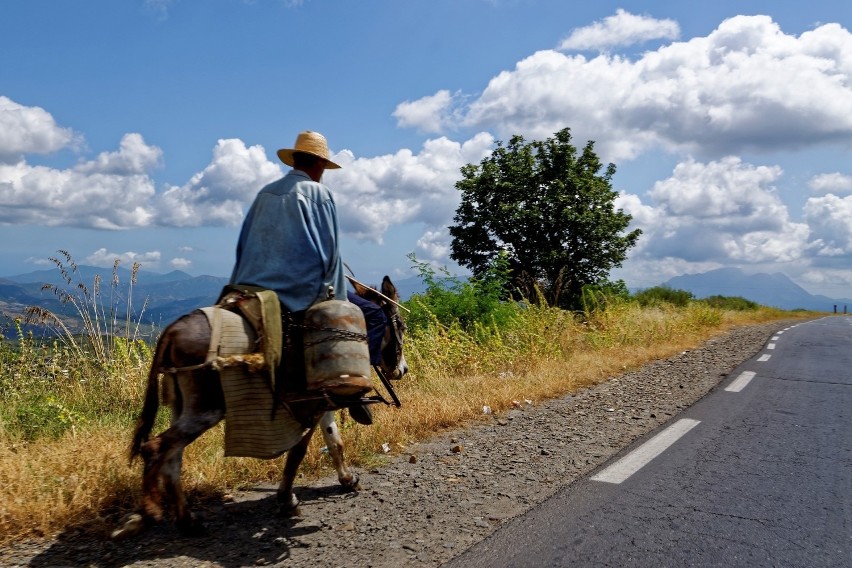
[[81, 478]]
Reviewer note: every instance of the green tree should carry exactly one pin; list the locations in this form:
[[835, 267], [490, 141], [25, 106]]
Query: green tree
[[549, 210]]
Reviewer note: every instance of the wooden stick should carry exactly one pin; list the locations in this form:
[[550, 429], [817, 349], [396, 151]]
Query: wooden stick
[[397, 304]]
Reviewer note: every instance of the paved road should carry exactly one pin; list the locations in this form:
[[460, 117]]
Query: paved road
[[758, 473]]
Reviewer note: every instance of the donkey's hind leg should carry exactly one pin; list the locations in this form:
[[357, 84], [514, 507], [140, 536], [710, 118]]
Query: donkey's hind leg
[[173, 441]]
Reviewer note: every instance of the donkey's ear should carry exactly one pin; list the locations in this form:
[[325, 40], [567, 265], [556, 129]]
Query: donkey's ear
[[388, 289], [360, 289]]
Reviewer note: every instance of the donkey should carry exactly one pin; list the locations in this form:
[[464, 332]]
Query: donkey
[[198, 404]]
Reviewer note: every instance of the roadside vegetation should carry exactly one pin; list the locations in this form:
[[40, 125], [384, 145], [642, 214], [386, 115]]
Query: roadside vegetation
[[68, 404], [538, 228]]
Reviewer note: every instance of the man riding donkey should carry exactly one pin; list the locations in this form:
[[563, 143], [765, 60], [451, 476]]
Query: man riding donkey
[[285, 284], [289, 243]]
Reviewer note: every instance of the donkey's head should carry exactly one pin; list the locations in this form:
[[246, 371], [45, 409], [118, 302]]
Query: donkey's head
[[393, 363]]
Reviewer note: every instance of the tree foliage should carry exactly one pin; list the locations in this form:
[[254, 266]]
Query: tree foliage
[[468, 302], [549, 210]]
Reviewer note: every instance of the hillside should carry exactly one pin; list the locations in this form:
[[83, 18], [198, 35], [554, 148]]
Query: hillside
[[156, 299], [775, 290]]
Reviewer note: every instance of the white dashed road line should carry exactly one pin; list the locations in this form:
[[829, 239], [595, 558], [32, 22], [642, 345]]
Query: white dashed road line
[[740, 382], [764, 358], [639, 458]]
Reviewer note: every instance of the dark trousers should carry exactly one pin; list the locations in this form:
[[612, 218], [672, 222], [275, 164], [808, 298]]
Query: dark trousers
[[376, 322]]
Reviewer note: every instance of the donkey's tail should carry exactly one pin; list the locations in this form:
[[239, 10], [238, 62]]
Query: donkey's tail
[[145, 422]]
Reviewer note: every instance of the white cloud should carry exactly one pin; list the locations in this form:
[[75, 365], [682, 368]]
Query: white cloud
[[104, 258], [30, 130], [39, 261], [374, 193], [745, 86], [621, 29], [428, 114], [134, 157], [77, 197], [726, 190], [827, 278], [180, 263], [830, 221], [717, 212], [160, 8], [434, 246], [217, 194], [835, 183], [115, 190]]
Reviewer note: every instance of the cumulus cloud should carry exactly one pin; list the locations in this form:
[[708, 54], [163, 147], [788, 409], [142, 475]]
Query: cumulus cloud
[[115, 190], [434, 245], [621, 29], [830, 222], [104, 258], [831, 183], [745, 86], [374, 193], [428, 114], [217, 194], [97, 194], [180, 263], [134, 157], [717, 212], [160, 8], [30, 130]]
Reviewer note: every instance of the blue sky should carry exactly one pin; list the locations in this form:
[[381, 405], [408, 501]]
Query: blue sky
[[141, 130]]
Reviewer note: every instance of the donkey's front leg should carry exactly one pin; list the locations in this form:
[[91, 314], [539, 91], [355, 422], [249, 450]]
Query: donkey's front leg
[[334, 443]]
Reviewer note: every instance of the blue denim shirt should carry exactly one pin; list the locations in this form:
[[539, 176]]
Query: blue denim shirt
[[289, 243]]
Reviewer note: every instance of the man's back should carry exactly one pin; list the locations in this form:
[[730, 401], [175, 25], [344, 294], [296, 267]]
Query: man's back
[[289, 242]]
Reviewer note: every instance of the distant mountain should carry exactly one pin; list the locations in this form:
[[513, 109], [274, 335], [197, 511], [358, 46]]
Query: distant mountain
[[86, 275], [776, 290], [154, 299], [407, 287]]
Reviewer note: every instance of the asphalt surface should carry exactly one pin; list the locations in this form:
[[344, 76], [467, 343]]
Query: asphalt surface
[[758, 473]]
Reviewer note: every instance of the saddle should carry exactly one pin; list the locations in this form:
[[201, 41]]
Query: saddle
[[262, 310]]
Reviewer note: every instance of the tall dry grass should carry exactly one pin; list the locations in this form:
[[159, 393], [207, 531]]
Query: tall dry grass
[[77, 475]]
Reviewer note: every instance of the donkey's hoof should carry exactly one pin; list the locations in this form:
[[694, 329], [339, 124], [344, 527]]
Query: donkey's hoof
[[352, 484], [289, 507], [130, 525], [287, 511]]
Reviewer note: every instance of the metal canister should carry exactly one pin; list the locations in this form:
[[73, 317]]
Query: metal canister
[[337, 358]]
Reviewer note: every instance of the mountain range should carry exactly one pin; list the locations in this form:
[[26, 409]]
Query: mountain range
[[152, 300], [157, 299], [776, 290]]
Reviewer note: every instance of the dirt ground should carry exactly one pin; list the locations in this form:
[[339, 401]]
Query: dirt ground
[[438, 498]]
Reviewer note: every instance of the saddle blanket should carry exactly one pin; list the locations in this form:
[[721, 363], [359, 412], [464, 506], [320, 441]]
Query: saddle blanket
[[254, 426]]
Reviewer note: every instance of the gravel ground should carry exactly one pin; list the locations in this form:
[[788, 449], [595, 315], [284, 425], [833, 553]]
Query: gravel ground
[[440, 497]]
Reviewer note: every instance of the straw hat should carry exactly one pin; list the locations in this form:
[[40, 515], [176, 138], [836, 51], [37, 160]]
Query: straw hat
[[310, 143]]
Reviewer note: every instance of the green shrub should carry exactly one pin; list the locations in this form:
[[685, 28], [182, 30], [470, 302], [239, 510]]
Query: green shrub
[[471, 304], [597, 297], [734, 303], [658, 295], [42, 417]]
